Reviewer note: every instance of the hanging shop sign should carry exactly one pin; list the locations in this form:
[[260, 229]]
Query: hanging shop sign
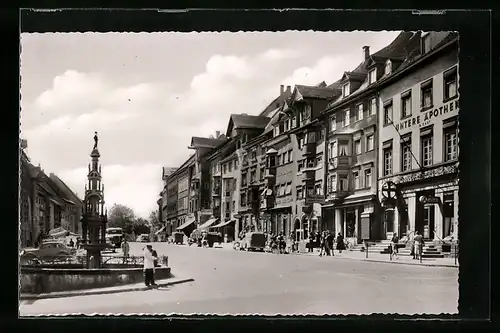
[[429, 199], [389, 190]]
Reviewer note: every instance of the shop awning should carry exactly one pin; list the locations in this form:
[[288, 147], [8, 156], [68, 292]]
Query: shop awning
[[159, 231], [224, 223], [188, 222], [55, 202], [58, 232], [207, 224]]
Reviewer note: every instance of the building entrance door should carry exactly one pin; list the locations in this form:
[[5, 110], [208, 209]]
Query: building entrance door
[[429, 224], [299, 234]]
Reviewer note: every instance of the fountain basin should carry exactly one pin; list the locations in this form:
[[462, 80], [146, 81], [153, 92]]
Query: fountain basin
[[46, 279]]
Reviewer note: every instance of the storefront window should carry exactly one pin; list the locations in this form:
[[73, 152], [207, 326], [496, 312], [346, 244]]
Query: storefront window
[[448, 213], [350, 223]]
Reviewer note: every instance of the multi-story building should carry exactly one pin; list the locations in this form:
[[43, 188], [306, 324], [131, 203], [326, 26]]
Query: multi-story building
[[171, 203], [351, 120], [46, 203], [308, 134], [418, 164], [71, 211], [163, 214], [184, 218], [200, 184]]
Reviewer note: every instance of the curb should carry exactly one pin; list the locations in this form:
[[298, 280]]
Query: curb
[[389, 262], [89, 292]]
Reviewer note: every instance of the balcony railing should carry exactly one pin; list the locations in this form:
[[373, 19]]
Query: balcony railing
[[338, 195], [216, 191], [308, 174], [339, 162], [270, 173], [309, 149]]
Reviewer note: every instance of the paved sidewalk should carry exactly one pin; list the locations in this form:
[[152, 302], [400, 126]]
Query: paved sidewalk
[[374, 257], [385, 258], [103, 291]]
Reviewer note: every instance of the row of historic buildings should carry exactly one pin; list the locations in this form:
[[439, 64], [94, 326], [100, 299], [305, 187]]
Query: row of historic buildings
[[46, 202], [375, 152]]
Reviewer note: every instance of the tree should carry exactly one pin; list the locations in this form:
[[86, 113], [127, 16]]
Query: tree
[[153, 219], [123, 217], [141, 226]]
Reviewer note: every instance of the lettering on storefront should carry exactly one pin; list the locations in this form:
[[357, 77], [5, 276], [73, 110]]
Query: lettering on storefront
[[416, 176], [429, 200], [427, 116], [283, 201]]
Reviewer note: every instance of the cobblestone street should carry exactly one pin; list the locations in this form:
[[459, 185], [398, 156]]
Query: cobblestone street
[[232, 282]]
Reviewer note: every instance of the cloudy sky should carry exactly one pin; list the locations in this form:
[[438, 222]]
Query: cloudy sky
[[148, 93]]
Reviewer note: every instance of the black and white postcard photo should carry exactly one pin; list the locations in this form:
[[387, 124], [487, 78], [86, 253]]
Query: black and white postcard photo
[[239, 173]]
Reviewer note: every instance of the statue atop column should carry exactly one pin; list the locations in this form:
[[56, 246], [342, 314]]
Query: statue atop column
[[96, 139]]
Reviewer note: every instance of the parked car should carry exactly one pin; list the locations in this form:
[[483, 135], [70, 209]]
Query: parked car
[[143, 238], [178, 237], [48, 250], [253, 241]]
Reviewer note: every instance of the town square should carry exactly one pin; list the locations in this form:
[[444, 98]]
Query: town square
[[280, 181]]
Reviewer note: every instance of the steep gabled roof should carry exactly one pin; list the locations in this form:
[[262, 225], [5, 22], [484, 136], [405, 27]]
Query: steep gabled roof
[[199, 142], [315, 92], [238, 121], [167, 171], [64, 188]]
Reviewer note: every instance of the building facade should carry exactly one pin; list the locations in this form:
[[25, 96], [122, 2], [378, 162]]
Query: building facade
[[46, 203], [317, 158], [418, 165]]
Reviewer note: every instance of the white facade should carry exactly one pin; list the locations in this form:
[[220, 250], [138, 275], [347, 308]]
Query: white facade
[[418, 150]]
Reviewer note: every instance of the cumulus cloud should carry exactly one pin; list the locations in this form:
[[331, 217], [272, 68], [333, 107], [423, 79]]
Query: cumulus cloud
[[280, 54], [328, 69], [143, 123]]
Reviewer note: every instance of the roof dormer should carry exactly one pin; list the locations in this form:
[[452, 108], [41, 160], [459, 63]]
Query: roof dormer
[[425, 42], [388, 67]]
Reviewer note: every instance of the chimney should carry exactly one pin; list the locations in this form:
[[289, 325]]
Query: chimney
[[366, 52], [217, 134], [289, 89], [282, 89]]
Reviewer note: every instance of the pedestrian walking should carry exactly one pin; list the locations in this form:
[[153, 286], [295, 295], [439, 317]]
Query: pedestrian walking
[[322, 244], [329, 244], [125, 250], [394, 245], [71, 243], [149, 267], [340, 243], [311, 242], [418, 242]]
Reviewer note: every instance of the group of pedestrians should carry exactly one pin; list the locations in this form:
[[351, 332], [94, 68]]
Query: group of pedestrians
[[327, 240]]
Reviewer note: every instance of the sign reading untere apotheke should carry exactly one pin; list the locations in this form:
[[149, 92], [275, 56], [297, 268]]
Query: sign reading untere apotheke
[[425, 118]]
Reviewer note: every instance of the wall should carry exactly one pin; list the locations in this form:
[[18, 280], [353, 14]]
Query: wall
[[234, 193], [45, 280], [418, 119]]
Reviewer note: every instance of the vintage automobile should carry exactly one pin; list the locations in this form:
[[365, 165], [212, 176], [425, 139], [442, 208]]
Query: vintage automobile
[[48, 250], [178, 237], [253, 241], [143, 238]]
